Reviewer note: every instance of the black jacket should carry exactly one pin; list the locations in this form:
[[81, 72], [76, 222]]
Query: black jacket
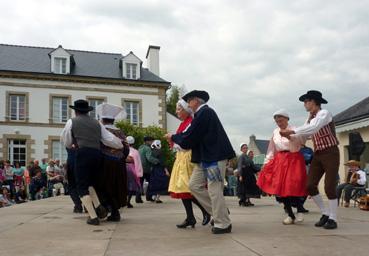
[[206, 137]]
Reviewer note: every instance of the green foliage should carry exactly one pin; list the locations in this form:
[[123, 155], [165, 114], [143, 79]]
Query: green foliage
[[140, 132], [172, 99]]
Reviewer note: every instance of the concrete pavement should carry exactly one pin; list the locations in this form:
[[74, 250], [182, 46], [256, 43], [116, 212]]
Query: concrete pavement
[[48, 227]]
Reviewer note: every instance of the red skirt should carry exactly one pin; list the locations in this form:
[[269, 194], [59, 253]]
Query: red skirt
[[284, 175]]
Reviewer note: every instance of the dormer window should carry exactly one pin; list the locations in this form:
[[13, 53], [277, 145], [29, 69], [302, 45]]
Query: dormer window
[[131, 66], [131, 71], [60, 65], [61, 61]]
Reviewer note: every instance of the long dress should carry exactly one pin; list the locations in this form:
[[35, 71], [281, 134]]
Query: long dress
[[247, 188], [134, 171], [284, 173], [182, 168], [158, 179], [112, 185]]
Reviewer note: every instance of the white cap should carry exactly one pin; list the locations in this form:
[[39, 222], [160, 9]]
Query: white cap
[[156, 144], [281, 112], [243, 143], [184, 105], [109, 111], [130, 140]]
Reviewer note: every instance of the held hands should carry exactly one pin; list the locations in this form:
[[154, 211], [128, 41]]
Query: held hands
[[286, 133]]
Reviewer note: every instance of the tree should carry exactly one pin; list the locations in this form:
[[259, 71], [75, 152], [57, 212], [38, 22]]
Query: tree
[[154, 131], [172, 99]]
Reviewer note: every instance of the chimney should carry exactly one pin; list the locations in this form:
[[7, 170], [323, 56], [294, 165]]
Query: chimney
[[152, 57]]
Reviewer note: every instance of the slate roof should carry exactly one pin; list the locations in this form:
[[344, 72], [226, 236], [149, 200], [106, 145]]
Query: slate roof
[[262, 145], [356, 112], [87, 64]]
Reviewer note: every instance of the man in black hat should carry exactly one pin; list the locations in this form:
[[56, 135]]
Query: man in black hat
[[326, 157], [211, 149], [85, 134], [147, 160]]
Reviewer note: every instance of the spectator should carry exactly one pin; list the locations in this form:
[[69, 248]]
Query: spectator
[[2, 173], [5, 198], [9, 177], [21, 195], [43, 164], [37, 186], [18, 175], [55, 179], [34, 168]]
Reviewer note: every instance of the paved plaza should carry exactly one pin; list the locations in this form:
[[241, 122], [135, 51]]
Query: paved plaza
[[48, 227]]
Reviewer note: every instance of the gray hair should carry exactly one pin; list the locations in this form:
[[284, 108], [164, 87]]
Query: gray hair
[[201, 101]]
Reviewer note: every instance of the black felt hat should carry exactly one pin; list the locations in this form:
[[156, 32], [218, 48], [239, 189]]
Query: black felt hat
[[313, 95], [198, 94], [81, 105]]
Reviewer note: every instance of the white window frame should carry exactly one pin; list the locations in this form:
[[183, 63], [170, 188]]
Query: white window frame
[[131, 70], [17, 114], [60, 65], [12, 146], [58, 151], [128, 105], [59, 118], [94, 102]]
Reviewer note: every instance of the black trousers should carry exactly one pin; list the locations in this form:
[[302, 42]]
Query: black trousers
[[72, 186], [87, 164]]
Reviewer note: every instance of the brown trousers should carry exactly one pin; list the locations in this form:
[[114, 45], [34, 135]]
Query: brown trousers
[[324, 162]]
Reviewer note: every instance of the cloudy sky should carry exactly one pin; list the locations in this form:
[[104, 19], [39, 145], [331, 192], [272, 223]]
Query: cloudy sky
[[252, 56]]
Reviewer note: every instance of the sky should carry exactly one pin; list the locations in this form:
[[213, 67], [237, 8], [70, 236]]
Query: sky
[[252, 56]]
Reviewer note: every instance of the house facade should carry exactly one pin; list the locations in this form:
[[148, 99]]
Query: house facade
[[37, 85], [353, 119]]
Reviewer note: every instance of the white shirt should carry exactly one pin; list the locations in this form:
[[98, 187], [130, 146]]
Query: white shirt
[[362, 177], [279, 143], [107, 138], [321, 119]]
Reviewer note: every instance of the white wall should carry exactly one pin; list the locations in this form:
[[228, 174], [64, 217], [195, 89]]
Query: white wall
[[172, 123]]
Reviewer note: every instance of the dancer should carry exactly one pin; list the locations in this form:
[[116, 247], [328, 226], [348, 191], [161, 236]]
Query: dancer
[[211, 149], [182, 171], [284, 172], [247, 187], [85, 133], [326, 157], [134, 172], [112, 182]]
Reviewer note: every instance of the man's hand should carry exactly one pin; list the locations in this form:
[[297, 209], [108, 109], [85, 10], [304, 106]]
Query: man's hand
[[286, 133]]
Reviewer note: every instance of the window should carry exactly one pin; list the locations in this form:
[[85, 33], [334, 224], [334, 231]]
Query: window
[[17, 107], [59, 109], [132, 108], [60, 65], [17, 151], [131, 71], [94, 103], [58, 151]]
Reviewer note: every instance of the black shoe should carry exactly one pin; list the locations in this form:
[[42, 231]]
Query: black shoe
[[186, 223], [303, 210], [228, 229], [139, 200], [322, 221], [158, 201], [241, 203], [78, 209], [129, 205], [101, 212], [206, 219], [150, 200], [114, 218], [94, 221], [330, 224]]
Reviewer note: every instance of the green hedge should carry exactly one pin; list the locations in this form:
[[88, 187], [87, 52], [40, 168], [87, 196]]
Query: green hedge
[[154, 131]]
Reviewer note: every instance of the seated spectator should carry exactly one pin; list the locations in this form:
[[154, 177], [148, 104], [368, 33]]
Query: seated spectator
[[5, 197], [55, 179], [43, 164], [37, 186], [355, 178], [21, 195], [18, 175], [34, 168]]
